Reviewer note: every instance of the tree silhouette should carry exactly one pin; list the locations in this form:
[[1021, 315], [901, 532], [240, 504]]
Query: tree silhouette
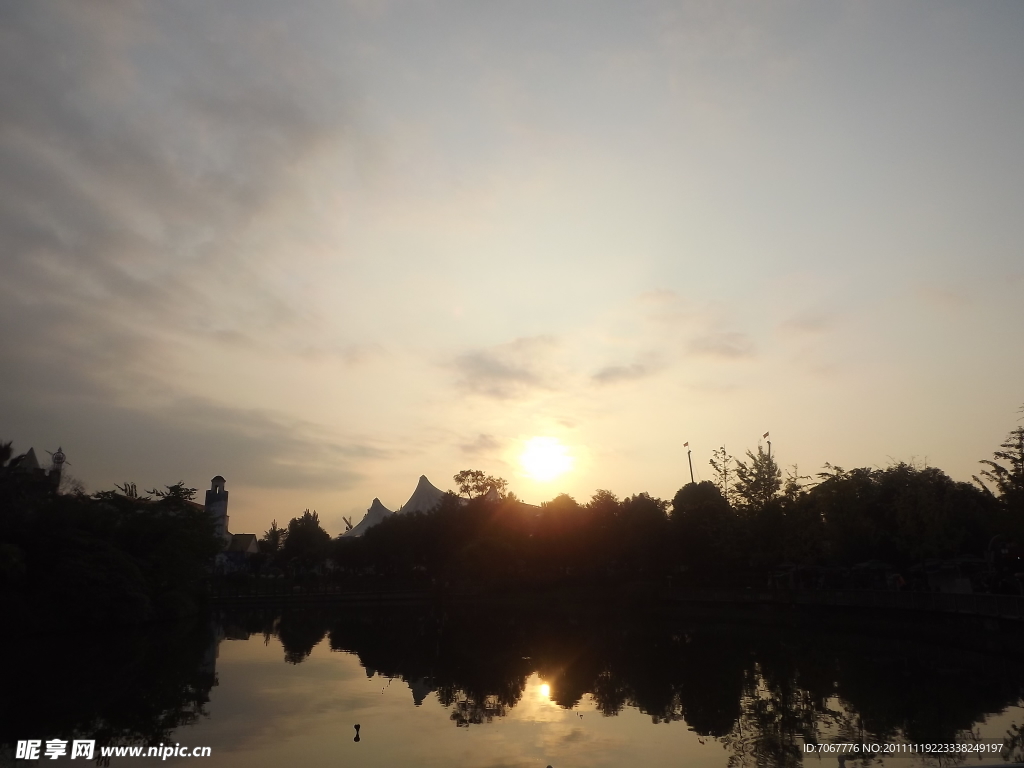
[[704, 525], [273, 539], [794, 486], [1008, 480], [306, 542], [757, 481], [473, 483], [721, 462], [605, 503], [174, 493], [899, 515], [108, 557], [643, 529]]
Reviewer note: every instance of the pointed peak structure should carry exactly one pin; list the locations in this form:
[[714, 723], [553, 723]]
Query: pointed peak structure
[[375, 514], [377, 508], [25, 470], [421, 688], [424, 498], [27, 462]]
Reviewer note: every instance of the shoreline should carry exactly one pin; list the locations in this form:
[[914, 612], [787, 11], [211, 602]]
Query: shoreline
[[980, 605]]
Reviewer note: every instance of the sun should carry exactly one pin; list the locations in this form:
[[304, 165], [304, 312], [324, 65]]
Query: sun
[[545, 458]]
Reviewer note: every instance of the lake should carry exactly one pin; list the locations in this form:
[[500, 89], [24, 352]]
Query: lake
[[520, 684]]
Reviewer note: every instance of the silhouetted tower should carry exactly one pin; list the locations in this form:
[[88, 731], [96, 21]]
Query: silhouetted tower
[[58, 458], [217, 507]]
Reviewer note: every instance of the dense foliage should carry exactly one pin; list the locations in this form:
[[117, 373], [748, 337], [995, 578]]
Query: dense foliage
[[112, 556], [117, 556], [118, 685], [901, 515], [741, 529]]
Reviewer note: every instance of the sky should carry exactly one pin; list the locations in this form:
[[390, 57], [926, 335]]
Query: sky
[[322, 248]]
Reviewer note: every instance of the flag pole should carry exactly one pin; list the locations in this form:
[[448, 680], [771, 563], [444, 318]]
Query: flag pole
[[689, 459]]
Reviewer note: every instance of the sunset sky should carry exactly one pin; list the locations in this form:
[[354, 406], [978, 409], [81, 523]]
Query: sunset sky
[[322, 248]]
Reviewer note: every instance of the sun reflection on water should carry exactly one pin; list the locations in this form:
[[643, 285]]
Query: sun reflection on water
[[536, 703]]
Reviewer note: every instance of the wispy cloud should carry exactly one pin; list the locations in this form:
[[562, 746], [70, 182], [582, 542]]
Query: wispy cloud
[[482, 445], [508, 370], [192, 438], [809, 322], [125, 192], [724, 345], [141, 144], [349, 354], [613, 374]]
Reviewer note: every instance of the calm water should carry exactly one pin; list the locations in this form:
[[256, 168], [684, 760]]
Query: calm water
[[513, 687]]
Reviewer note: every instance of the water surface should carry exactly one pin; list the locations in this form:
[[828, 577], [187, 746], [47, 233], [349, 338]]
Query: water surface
[[517, 686]]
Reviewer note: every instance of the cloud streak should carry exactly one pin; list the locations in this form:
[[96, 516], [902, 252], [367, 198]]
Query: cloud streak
[[614, 374], [507, 371], [809, 322], [141, 146], [127, 192], [722, 345], [482, 445]]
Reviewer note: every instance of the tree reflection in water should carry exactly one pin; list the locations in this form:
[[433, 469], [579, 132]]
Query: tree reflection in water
[[469, 711], [763, 685], [117, 685]]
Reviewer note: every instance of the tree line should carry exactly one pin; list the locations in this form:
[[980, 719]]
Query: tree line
[[747, 523], [114, 556], [117, 556]]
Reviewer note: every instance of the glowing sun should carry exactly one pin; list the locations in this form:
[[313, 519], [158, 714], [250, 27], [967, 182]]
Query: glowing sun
[[545, 458]]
